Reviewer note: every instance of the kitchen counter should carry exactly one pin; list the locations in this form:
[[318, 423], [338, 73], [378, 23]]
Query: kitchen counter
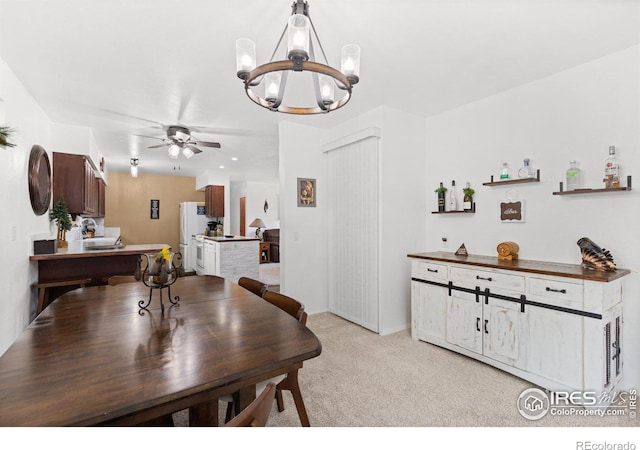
[[230, 239], [56, 270], [75, 252]]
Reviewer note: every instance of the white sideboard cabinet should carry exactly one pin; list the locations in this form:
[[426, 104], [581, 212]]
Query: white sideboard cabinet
[[556, 325]]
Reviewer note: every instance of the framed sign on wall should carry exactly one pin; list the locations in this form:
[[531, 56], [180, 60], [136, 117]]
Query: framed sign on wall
[[155, 209], [512, 211]]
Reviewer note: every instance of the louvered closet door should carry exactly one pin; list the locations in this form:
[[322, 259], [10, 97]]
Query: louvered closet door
[[353, 232]]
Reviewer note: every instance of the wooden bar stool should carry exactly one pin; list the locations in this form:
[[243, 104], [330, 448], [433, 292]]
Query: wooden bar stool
[[44, 293]]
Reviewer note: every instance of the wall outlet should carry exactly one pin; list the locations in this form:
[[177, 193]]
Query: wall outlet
[[445, 241]]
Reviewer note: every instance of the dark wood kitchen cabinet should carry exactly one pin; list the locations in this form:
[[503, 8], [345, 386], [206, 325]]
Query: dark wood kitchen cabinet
[[74, 178], [214, 201], [101, 197]]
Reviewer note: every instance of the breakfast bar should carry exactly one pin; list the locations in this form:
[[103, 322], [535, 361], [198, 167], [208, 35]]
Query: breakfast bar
[[69, 268]]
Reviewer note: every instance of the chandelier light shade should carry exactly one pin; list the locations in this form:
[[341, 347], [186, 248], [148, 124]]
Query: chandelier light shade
[[134, 167], [266, 84]]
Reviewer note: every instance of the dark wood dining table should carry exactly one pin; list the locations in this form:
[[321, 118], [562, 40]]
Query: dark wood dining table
[[93, 357]]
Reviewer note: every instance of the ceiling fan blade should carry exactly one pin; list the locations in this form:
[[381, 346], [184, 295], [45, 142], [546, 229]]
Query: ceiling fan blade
[[159, 145], [207, 144], [150, 137], [193, 148]]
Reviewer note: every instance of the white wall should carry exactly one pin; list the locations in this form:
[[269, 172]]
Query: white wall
[[575, 114], [19, 222], [255, 194], [303, 270]]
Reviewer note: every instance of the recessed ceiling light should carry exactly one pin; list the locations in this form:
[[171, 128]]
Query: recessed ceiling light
[[221, 167], [234, 159]]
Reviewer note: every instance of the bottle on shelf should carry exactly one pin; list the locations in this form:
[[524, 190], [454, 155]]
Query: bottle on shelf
[[504, 172], [526, 171], [467, 201], [453, 199], [441, 192], [573, 176], [612, 170]]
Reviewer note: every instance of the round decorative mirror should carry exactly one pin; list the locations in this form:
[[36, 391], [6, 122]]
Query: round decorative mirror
[[39, 180]]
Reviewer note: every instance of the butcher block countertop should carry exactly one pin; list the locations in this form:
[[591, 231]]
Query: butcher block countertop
[[525, 265], [81, 252]]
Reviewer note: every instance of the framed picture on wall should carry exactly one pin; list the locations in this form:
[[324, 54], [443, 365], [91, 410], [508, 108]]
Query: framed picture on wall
[[307, 192], [155, 209]]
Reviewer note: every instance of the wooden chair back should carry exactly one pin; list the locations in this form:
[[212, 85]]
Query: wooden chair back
[[255, 286], [289, 305], [257, 413]]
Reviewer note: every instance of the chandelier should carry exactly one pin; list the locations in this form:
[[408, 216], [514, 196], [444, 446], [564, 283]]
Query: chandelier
[[272, 76]]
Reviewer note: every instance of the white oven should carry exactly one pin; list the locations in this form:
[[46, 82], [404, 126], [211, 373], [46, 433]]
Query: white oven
[[200, 255]]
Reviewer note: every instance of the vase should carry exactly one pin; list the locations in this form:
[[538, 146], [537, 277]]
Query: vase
[[159, 269]]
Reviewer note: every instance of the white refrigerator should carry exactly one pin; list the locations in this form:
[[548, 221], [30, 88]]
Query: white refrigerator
[[192, 221]]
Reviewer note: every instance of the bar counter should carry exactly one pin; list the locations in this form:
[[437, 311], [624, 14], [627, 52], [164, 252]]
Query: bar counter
[[67, 268]]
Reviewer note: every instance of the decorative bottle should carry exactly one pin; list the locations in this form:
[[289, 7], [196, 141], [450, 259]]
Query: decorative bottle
[[526, 171], [467, 201], [453, 199], [612, 170], [441, 192], [573, 176], [504, 172]]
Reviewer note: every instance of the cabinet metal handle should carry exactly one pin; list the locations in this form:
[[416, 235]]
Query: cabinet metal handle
[[485, 326], [562, 291], [478, 277], [432, 270], [477, 323]]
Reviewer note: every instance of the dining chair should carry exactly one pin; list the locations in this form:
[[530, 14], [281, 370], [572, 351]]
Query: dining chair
[[257, 413], [255, 286], [288, 382]]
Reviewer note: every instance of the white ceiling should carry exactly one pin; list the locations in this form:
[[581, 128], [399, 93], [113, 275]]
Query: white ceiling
[[128, 67]]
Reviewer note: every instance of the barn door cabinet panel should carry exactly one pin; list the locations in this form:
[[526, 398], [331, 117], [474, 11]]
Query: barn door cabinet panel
[[428, 302], [214, 201], [556, 325], [74, 178]]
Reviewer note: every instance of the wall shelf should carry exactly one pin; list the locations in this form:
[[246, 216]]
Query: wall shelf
[[461, 211], [594, 191], [514, 181]]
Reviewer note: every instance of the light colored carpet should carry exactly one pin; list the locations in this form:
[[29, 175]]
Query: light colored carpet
[[270, 274], [362, 379]]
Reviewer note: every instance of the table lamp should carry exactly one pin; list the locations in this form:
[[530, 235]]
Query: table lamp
[[257, 222]]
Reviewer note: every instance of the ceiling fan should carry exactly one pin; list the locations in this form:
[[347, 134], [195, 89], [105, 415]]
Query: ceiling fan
[[179, 138]]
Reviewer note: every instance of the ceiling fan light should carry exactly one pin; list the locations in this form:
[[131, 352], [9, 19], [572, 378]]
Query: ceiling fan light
[[174, 151], [187, 152], [350, 62], [245, 57], [298, 37], [134, 167]]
